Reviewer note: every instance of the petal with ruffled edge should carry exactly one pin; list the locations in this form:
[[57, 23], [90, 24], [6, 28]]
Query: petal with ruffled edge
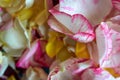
[[92, 9], [70, 69], [76, 26], [108, 40]]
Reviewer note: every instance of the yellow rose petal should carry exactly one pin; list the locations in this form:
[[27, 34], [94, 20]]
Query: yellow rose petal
[[81, 51], [112, 72], [54, 44]]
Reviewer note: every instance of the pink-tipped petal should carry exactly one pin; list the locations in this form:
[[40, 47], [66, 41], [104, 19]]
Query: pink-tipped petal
[[76, 26], [108, 41], [70, 69], [93, 10]]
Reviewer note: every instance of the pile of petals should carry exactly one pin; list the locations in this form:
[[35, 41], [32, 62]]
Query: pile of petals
[[59, 39]]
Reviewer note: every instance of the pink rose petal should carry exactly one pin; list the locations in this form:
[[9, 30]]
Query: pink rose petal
[[108, 41], [96, 74], [116, 4], [25, 59], [70, 69], [76, 26], [93, 10]]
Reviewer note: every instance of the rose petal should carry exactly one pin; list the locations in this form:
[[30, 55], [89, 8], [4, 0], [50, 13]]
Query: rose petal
[[91, 9], [13, 36], [76, 26], [82, 51], [69, 69], [93, 51], [3, 64], [24, 61], [96, 74], [107, 37], [116, 4], [54, 44], [113, 71], [116, 19]]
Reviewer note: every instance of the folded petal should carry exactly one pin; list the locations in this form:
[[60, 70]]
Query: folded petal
[[107, 37], [69, 69], [25, 59], [76, 26]]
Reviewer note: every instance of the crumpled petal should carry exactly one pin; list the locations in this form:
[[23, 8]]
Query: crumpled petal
[[76, 26], [116, 4], [107, 37], [92, 9], [69, 69]]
